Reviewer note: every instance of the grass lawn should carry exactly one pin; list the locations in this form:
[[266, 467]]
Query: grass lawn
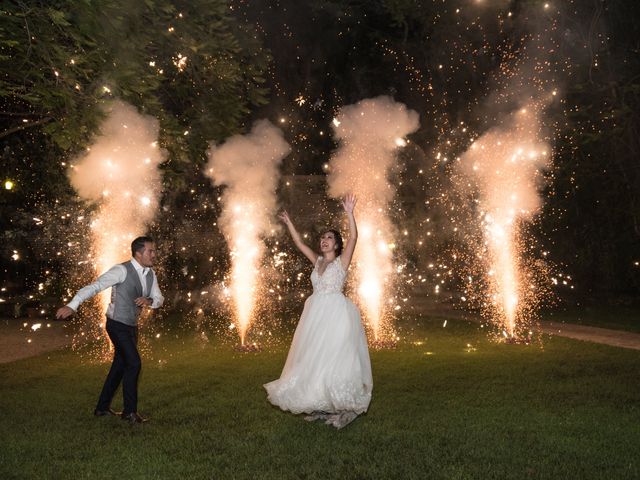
[[441, 409]]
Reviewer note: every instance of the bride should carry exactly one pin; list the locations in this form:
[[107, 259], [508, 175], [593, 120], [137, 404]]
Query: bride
[[327, 373]]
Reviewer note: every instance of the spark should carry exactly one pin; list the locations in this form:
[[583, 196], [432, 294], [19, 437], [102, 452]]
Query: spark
[[118, 220], [504, 165], [248, 167], [368, 133], [180, 62]]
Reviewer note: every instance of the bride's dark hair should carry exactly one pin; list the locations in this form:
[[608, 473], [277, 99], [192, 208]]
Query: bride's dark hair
[[338, 239]]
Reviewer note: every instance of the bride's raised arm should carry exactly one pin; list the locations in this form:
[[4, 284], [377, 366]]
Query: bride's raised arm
[[349, 204], [297, 240]]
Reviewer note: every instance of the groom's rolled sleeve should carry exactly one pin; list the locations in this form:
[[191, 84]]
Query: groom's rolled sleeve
[[156, 295]]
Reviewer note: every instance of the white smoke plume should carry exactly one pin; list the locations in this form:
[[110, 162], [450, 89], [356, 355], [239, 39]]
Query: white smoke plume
[[369, 134], [120, 171], [507, 163], [248, 166], [505, 168]]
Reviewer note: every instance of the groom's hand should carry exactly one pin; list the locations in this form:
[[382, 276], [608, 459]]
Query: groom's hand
[[143, 302], [64, 312]]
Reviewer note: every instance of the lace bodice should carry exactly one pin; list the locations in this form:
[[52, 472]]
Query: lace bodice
[[332, 280]]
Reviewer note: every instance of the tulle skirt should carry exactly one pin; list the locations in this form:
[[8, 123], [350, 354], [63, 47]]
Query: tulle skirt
[[328, 367]]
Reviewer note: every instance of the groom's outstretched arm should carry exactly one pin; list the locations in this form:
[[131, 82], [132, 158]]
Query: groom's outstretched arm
[[111, 277]]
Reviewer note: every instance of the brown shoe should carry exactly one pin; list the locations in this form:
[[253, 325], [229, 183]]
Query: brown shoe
[[105, 413], [134, 418]]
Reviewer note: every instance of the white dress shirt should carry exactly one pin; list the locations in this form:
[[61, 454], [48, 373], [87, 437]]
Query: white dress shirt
[[115, 275]]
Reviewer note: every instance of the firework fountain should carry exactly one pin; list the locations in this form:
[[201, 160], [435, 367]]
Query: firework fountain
[[120, 172], [248, 166], [504, 167], [370, 132]]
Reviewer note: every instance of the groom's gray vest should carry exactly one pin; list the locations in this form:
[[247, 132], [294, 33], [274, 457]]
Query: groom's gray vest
[[123, 296]]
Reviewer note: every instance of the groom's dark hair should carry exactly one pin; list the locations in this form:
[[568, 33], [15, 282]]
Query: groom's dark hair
[[138, 244]]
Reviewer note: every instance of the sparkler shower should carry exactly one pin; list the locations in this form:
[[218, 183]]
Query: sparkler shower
[[502, 171], [369, 133], [504, 166], [120, 171], [248, 166]]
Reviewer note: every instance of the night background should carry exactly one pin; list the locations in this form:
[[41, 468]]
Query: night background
[[301, 62], [194, 74]]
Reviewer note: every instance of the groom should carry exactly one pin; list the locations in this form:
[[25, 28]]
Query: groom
[[133, 285]]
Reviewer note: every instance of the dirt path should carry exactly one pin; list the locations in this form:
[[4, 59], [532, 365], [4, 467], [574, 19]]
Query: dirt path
[[615, 338], [605, 336], [23, 338]]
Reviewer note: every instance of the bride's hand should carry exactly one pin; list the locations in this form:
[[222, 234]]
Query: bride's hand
[[284, 216], [349, 202]]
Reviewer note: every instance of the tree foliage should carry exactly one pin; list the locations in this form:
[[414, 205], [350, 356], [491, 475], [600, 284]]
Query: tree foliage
[[199, 67], [190, 64], [593, 211], [444, 60]]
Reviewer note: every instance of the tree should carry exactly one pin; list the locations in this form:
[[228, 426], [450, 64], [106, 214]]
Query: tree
[[189, 63]]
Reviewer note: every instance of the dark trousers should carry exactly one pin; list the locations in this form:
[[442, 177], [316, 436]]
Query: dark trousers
[[125, 367]]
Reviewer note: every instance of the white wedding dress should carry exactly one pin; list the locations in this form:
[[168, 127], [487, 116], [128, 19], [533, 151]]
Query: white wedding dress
[[328, 367]]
